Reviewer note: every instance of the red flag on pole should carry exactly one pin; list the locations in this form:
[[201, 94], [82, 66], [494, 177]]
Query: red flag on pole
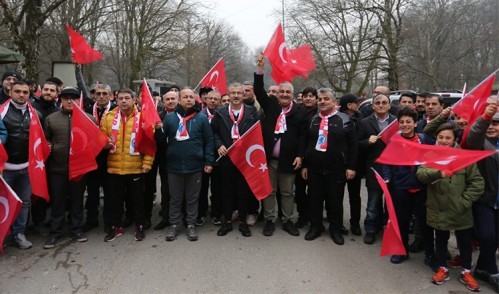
[[473, 104], [215, 78], [446, 159], [288, 63], [392, 241], [248, 155], [3, 156], [145, 142], [10, 205], [39, 151], [87, 140], [82, 52]]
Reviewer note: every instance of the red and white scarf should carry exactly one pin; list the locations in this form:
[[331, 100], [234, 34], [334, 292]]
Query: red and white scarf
[[321, 144], [234, 131], [210, 116], [116, 126], [280, 126], [182, 132], [96, 114]]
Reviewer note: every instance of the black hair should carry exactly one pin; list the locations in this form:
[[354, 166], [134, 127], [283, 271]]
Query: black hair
[[410, 95], [309, 89], [406, 111]]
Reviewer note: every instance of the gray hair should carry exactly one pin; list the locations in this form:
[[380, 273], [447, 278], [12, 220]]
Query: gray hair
[[103, 86], [327, 90], [287, 84]]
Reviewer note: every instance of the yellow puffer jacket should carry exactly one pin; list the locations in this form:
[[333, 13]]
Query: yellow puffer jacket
[[122, 162]]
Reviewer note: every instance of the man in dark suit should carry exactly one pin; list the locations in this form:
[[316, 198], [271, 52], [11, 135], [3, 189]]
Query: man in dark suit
[[371, 145], [284, 128]]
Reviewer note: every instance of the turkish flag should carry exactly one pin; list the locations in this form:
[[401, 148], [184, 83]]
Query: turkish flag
[[215, 78], [39, 151], [87, 140], [81, 51], [401, 151], [392, 241], [248, 155], [391, 130], [145, 142], [287, 63], [10, 205], [473, 104], [3, 156]]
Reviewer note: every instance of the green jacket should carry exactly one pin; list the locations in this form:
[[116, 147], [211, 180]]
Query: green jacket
[[449, 202]]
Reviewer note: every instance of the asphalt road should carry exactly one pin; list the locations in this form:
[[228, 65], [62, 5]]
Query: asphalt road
[[230, 264]]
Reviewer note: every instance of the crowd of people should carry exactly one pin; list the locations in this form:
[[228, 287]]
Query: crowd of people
[[315, 147]]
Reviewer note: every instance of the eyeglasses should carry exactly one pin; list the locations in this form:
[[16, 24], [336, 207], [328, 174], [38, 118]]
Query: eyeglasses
[[381, 103], [101, 93]]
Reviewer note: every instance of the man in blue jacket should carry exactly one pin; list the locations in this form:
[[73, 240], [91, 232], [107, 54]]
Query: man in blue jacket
[[190, 152]]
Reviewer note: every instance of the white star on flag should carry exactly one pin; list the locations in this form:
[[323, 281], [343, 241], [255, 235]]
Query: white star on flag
[[39, 164], [263, 167]]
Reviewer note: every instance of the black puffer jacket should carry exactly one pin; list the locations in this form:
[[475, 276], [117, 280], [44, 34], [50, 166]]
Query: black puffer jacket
[[17, 125]]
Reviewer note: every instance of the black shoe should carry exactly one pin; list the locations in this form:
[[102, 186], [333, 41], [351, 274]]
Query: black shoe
[[337, 237], [344, 231], [51, 242], [216, 221], [89, 226], [313, 233], [301, 222], [245, 231], [127, 222], [226, 228], [369, 238], [79, 237], [416, 246], [269, 228], [147, 224], [139, 233], [290, 228], [161, 225], [396, 259], [355, 228], [200, 221]]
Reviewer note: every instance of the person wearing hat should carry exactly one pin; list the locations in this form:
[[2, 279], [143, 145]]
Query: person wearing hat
[[484, 135], [349, 105], [8, 79], [58, 133]]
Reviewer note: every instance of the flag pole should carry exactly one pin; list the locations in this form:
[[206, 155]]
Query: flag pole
[[206, 74]]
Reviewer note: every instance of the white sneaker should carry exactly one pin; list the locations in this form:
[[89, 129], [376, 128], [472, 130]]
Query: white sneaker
[[21, 242]]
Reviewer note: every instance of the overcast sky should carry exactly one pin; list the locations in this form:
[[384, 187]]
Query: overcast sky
[[252, 19]]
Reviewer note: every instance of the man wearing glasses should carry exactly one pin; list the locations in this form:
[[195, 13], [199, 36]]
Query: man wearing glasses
[[98, 178], [371, 145]]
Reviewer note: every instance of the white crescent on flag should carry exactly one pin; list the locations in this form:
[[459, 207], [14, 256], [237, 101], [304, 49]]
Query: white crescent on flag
[[5, 203], [281, 53], [250, 150], [215, 73]]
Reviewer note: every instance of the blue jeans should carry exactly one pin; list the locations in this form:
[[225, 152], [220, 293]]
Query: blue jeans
[[374, 210], [18, 180]]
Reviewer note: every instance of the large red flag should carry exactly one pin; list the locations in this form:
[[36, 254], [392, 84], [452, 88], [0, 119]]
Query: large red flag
[[401, 151], [392, 241], [39, 151], [248, 155], [10, 205], [87, 140], [82, 52], [3, 156], [145, 142], [472, 105], [392, 129], [215, 78], [287, 63]]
